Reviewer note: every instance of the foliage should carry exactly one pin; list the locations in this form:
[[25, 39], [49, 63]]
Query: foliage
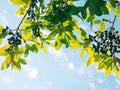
[[59, 19]]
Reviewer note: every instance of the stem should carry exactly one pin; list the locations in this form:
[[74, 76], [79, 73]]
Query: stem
[[114, 60], [113, 21], [22, 20]]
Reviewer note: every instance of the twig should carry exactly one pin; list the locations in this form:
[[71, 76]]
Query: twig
[[22, 20], [113, 21]]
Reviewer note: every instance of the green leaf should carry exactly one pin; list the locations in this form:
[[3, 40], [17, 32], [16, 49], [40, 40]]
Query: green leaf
[[86, 43], [91, 18], [52, 34], [112, 2], [83, 34], [74, 10], [84, 13], [33, 48], [101, 65], [118, 60], [104, 10], [108, 67], [1, 39], [26, 53], [58, 44], [96, 21], [98, 11], [66, 42], [22, 61], [17, 67]]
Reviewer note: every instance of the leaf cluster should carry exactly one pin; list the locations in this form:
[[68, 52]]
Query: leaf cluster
[[59, 19]]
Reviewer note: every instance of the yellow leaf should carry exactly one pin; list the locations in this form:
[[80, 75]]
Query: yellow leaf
[[116, 11], [1, 27], [90, 51], [76, 44], [58, 44], [118, 49], [116, 71], [76, 29], [21, 11], [66, 23], [4, 47], [16, 58], [44, 49], [22, 48], [89, 61], [72, 2], [102, 26], [16, 2], [45, 22], [109, 6], [82, 53], [108, 71], [27, 37], [6, 62]]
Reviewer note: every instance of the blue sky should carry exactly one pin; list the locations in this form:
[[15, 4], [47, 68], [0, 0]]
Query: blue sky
[[57, 70]]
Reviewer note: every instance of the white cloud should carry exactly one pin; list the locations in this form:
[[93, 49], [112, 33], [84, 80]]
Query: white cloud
[[49, 82], [117, 81], [3, 19], [4, 11], [57, 53], [26, 85], [70, 66], [92, 86], [81, 70], [7, 79], [32, 72], [100, 80]]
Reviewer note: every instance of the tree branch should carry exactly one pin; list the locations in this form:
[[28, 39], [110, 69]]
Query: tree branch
[[22, 20]]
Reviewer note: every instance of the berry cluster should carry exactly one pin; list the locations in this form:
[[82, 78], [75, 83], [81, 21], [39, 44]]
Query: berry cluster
[[5, 29], [15, 39], [36, 31], [31, 11], [31, 16], [107, 42]]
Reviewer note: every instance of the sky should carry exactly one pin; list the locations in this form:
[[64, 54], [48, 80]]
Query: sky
[[57, 70]]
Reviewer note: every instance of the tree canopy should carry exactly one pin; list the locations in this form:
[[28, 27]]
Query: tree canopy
[[59, 19]]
